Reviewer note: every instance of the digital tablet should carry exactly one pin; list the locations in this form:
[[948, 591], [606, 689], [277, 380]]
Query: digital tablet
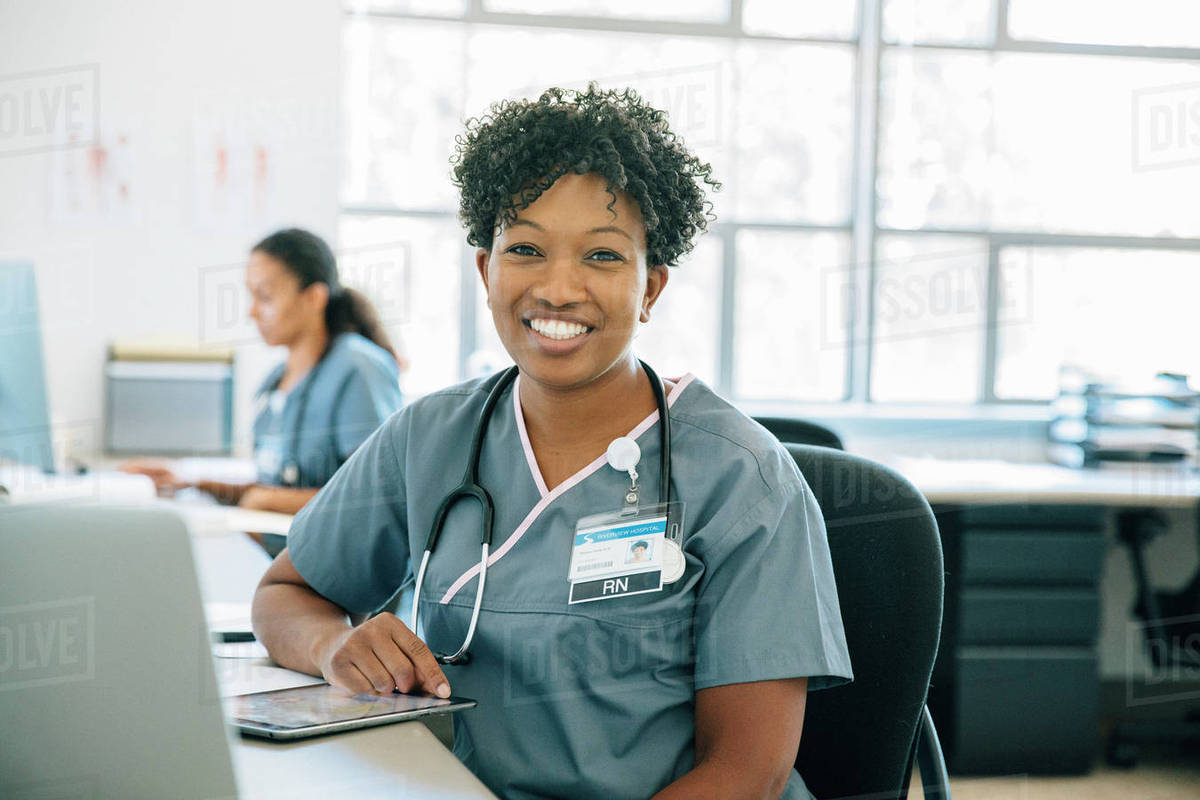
[[321, 708]]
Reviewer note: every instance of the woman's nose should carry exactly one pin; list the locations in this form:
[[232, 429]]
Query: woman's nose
[[561, 283]]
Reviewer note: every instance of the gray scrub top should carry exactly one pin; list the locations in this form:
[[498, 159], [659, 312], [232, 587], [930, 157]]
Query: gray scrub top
[[354, 389], [591, 700]]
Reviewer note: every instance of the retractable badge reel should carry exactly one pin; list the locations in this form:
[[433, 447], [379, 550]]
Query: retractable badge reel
[[623, 455], [632, 551]]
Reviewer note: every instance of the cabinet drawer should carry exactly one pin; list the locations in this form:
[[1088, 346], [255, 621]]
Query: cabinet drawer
[[1028, 616], [1025, 710], [1031, 557]]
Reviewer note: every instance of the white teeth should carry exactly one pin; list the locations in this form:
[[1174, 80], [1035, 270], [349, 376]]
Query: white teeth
[[557, 328]]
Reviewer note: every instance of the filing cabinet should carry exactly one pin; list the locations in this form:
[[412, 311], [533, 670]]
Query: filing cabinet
[[1016, 685]]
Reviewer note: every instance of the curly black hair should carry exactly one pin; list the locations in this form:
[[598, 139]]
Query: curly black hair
[[512, 154]]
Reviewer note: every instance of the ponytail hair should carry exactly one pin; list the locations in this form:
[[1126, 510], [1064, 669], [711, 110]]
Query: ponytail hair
[[309, 258], [349, 310]]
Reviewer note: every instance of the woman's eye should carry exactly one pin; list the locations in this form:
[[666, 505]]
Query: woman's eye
[[522, 250], [605, 255]]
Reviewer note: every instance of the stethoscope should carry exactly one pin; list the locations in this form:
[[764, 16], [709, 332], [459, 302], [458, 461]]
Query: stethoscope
[[289, 474], [470, 488]]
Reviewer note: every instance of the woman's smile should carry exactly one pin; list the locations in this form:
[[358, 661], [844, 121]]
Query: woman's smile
[[556, 335]]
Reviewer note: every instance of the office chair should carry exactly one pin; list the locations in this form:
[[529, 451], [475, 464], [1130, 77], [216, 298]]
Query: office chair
[[790, 429], [1171, 622], [930, 759], [861, 739]]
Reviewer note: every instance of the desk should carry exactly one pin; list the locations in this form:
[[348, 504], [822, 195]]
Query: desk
[[210, 519], [1002, 482], [1016, 684], [404, 760]]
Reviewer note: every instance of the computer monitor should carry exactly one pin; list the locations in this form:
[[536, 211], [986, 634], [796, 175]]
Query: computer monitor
[[24, 420]]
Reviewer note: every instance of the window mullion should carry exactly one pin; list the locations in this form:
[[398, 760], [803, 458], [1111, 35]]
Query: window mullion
[[860, 322]]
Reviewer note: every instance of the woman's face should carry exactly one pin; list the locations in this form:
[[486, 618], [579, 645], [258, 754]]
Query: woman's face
[[567, 282], [281, 310]]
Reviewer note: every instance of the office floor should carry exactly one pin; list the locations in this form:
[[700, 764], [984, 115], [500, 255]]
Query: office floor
[[1149, 780], [1162, 773]]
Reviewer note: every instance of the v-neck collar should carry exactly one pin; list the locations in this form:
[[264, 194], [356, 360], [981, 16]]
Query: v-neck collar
[[535, 471], [549, 496]]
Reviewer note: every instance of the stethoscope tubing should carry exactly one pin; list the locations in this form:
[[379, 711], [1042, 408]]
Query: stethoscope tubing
[[470, 487], [292, 463]]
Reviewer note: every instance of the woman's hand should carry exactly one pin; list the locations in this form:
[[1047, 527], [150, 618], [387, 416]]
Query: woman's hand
[[165, 480], [380, 655]]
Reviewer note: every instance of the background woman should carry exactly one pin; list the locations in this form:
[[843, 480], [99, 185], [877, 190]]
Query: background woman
[[339, 382]]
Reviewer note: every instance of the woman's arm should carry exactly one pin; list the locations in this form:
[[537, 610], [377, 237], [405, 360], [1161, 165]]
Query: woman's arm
[[283, 499], [228, 494], [747, 735], [305, 632], [167, 482]]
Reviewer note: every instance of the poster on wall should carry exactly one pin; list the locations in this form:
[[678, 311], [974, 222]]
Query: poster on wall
[[233, 173], [96, 184]]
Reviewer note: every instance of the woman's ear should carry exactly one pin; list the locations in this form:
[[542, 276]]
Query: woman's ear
[[656, 280], [482, 257], [318, 296]]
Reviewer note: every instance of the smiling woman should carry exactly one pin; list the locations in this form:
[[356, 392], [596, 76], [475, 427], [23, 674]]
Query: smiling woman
[[615, 626]]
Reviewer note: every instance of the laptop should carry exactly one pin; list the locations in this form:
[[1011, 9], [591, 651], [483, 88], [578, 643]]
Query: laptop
[[107, 686]]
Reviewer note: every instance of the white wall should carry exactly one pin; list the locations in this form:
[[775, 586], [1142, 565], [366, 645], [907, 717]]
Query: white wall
[[125, 252]]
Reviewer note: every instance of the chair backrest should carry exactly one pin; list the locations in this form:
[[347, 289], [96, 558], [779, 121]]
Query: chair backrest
[[887, 560], [798, 431]]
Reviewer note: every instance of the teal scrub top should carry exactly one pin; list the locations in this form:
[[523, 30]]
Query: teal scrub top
[[597, 699], [350, 393]]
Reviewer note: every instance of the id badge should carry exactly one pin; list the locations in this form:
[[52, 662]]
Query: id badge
[[619, 554]]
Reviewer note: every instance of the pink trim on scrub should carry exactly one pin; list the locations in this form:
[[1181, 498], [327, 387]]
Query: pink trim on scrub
[[550, 497], [529, 456]]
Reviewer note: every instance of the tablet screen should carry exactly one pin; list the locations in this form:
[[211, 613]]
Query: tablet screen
[[322, 704]]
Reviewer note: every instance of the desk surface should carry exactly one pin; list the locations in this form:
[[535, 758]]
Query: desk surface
[[1002, 482], [210, 519], [404, 760]]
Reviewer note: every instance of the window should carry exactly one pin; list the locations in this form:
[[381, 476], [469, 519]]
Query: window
[[939, 21], [930, 301], [790, 334], [681, 10], [1153, 23], [1024, 142], [1107, 311], [1027, 157]]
